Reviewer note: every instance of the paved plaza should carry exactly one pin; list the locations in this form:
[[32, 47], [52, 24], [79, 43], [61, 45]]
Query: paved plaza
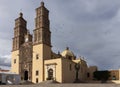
[[65, 85]]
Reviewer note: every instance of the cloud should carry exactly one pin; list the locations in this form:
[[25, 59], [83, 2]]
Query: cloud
[[5, 60], [91, 30]]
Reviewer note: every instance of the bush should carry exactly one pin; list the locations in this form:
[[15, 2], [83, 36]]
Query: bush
[[102, 75]]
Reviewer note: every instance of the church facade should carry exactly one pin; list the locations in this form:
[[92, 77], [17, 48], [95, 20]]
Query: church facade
[[33, 58]]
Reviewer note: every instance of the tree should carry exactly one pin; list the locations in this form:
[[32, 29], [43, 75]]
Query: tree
[[102, 75]]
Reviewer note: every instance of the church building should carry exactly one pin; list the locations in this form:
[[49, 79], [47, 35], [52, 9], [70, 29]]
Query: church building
[[33, 58]]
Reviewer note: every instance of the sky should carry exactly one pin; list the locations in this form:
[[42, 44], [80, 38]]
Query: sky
[[90, 28]]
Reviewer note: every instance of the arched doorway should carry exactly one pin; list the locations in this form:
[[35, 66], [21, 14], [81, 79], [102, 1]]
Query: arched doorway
[[26, 75], [50, 74]]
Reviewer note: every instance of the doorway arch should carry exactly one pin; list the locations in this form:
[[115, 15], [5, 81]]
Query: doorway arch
[[50, 74], [26, 75]]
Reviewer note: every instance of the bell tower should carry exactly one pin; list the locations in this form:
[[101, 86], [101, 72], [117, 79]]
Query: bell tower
[[19, 31], [42, 34], [41, 43]]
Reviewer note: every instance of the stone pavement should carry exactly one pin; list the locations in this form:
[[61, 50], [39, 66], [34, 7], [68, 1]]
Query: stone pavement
[[65, 85], [51, 83]]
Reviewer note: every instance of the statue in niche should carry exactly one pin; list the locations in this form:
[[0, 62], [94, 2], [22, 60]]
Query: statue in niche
[[77, 68]]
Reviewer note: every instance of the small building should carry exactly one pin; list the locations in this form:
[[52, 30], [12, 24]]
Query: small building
[[90, 72], [114, 75], [9, 78]]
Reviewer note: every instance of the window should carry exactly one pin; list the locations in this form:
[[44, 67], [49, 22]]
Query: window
[[69, 57], [21, 78], [37, 80], [70, 67], [35, 36], [37, 56], [37, 73], [14, 61], [114, 78], [88, 75]]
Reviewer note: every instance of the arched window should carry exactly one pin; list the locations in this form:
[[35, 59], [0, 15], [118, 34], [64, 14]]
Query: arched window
[[50, 74], [37, 73], [37, 56], [88, 75], [14, 61]]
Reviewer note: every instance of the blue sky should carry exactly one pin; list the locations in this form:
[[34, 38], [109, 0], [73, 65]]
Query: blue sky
[[90, 28]]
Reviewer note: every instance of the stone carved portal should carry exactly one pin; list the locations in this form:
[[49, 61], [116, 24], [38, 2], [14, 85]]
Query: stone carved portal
[[26, 75], [50, 74], [50, 71], [26, 61]]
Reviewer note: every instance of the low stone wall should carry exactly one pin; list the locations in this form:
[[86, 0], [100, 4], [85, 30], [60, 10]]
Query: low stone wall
[[114, 81], [109, 81]]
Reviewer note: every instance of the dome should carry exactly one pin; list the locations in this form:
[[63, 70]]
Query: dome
[[68, 53]]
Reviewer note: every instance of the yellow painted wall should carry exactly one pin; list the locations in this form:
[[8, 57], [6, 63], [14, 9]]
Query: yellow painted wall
[[44, 52], [68, 75], [37, 63], [15, 66], [58, 71], [114, 73], [63, 72], [83, 69], [91, 70]]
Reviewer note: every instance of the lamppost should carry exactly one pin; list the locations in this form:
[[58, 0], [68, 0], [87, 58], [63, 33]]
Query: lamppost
[[77, 68]]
